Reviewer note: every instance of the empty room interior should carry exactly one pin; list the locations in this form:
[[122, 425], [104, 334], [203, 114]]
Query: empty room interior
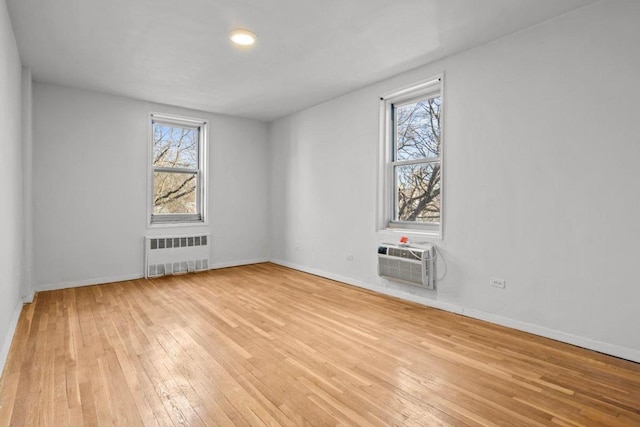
[[298, 212]]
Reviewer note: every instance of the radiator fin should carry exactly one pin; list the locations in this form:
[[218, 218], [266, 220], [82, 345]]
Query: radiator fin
[[177, 242]]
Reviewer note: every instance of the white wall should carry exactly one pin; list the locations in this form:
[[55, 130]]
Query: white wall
[[10, 183], [27, 185], [90, 187], [541, 177]]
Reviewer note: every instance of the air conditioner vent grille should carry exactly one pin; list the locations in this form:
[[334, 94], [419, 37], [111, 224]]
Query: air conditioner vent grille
[[408, 264], [405, 253]]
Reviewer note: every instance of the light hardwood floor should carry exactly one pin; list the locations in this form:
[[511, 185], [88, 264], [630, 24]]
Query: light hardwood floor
[[266, 345]]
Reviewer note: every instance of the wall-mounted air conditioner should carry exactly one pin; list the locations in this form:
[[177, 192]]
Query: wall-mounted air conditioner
[[408, 264]]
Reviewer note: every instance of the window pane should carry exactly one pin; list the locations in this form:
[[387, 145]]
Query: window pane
[[418, 193], [174, 193], [418, 129], [174, 146]]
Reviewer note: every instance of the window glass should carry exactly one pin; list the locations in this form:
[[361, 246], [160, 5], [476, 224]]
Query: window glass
[[418, 192], [418, 129], [174, 193], [175, 146], [411, 126], [177, 193]]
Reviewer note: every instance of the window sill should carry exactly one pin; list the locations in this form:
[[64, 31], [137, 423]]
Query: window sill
[[176, 224], [414, 235]]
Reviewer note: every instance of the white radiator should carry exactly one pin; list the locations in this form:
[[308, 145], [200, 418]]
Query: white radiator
[[408, 264], [176, 254]]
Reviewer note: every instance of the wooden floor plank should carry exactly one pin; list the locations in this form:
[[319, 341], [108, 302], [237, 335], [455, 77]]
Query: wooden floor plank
[[267, 345]]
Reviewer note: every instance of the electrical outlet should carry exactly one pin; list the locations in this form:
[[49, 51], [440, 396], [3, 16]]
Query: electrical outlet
[[498, 283]]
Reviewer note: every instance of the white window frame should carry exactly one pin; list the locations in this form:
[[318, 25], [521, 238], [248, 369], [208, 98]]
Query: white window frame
[[386, 179], [171, 220]]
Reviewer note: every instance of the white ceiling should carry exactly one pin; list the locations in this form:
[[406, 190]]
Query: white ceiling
[[308, 51]]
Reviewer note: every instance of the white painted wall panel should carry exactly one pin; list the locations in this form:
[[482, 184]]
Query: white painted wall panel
[[90, 186], [541, 175], [11, 224]]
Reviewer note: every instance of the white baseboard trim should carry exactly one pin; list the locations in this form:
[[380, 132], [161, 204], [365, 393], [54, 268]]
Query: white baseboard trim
[[588, 343], [8, 339], [237, 263], [87, 282], [122, 278], [599, 346], [28, 299], [392, 292]]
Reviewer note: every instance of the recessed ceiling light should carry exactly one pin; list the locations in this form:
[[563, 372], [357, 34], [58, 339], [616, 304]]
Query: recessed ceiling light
[[242, 37]]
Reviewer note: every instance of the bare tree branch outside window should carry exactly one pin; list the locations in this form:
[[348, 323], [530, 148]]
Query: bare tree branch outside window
[[417, 137], [174, 191]]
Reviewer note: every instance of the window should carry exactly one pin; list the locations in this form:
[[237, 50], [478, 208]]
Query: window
[[177, 170], [411, 133]]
